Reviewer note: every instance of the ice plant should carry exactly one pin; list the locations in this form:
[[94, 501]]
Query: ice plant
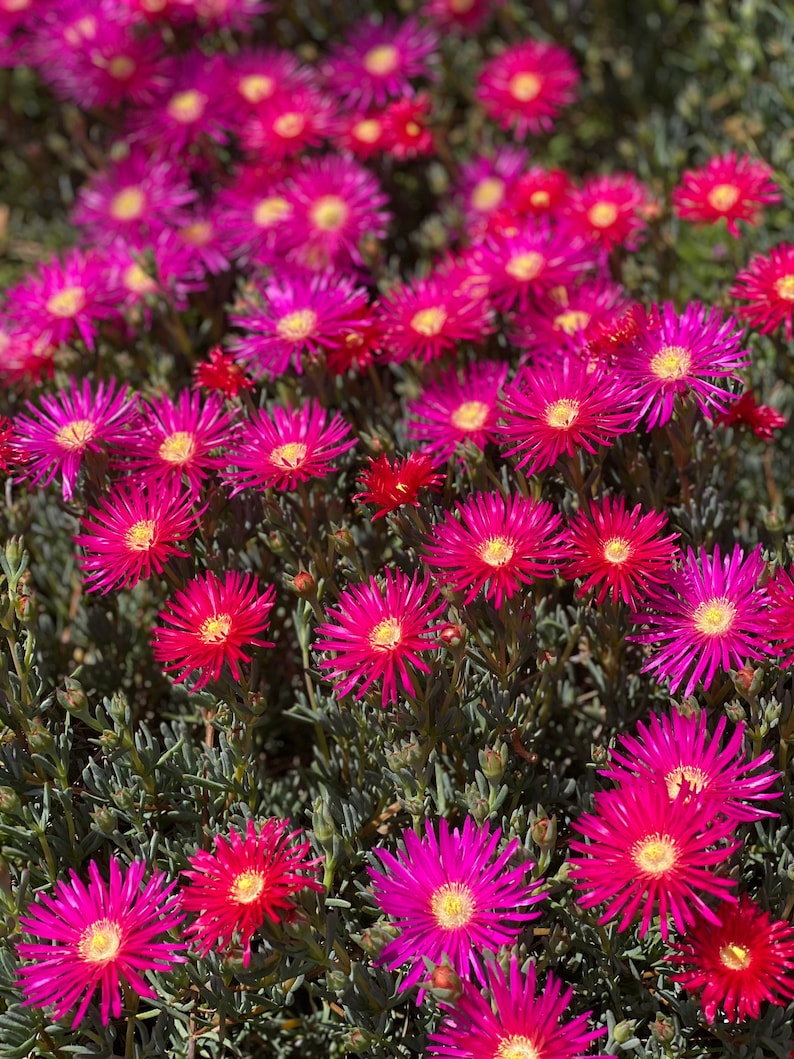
[[780, 619], [760, 418], [618, 552], [221, 373], [494, 543], [518, 1022], [390, 486], [559, 322], [207, 624], [101, 936], [379, 630], [710, 617], [452, 895], [607, 211], [460, 406], [289, 445], [744, 961], [486, 182], [767, 285], [66, 426], [730, 186], [247, 879], [650, 854], [525, 87]]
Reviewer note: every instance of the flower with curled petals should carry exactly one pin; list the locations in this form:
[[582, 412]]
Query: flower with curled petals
[[391, 486]]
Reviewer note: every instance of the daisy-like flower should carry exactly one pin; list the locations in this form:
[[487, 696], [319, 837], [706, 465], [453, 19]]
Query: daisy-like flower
[[177, 439], [652, 854], [428, 318], [67, 425], [191, 107], [711, 617], [209, 622], [559, 321], [286, 125], [729, 186], [378, 60], [461, 16], [496, 544], [525, 87], [257, 75], [290, 445], [680, 355], [362, 134], [203, 235], [677, 750], [26, 359], [563, 408], [517, 1022], [608, 211], [293, 316], [486, 183], [451, 895], [390, 487], [744, 961], [379, 630], [760, 418], [540, 191], [256, 215], [335, 203], [98, 937], [617, 551], [406, 130], [780, 619], [247, 880], [457, 408], [222, 373], [10, 452], [132, 534], [767, 284]]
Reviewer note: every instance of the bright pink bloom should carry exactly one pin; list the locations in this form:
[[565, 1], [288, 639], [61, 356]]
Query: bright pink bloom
[[406, 129], [256, 75], [494, 543], [208, 623], [767, 284], [525, 87], [190, 109], [780, 619], [760, 418], [486, 184], [379, 630], [362, 134], [539, 191], [287, 124], [451, 895], [608, 211], [287, 446], [461, 16], [256, 216], [651, 854], [100, 936], [25, 357], [710, 617], [729, 186], [390, 487], [559, 321], [222, 373], [247, 880], [740, 963], [459, 407], [10, 452]]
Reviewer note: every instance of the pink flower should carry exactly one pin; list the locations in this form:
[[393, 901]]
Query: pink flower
[[406, 129], [767, 284], [729, 186], [461, 16], [559, 321], [452, 896], [486, 184], [525, 87], [191, 108], [379, 630], [256, 75], [780, 619], [287, 124], [100, 937], [608, 211], [256, 215], [247, 880], [390, 487], [459, 407], [207, 624]]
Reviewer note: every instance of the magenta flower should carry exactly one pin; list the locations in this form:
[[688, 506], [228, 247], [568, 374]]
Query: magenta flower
[[517, 1022], [291, 445], [379, 630], [767, 285], [711, 617], [486, 182], [256, 216], [98, 937], [560, 321], [728, 186], [452, 896], [525, 87], [780, 618], [71, 423], [459, 407], [190, 108], [284, 126], [608, 211]]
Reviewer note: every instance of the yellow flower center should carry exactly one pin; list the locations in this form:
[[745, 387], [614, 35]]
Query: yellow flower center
[[602, 214], [136, 280], [452, 905], [121, 67], [525, 87], [617, 550], [329, 213], [496, 551], [429, 322], [382, 60], [516, 1046], [270, 211], [290, 455], [571, 321], [66, 303], [177, 447], [713, 617], [101, 942], [562, 414], [215, 630], [367, 130], [784, 288], [386, 635], [294, 327], [288, 126], [198, 234], [723, 197], [655, 855], [256, 87], [188, 106], [76, 435], [247, 887], [140, 536], [696, 779], [671, 362], [81, 30], [128, 204], [471, 415], [525, 267], [541, 200], [735, 957], [460, 7], [488, 194]]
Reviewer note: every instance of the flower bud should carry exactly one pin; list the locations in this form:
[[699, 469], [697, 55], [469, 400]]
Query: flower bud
[[40, 739], [72, 697], [452, 635], [493, 762], [304, 584], [735, 712], [358, 1041], [374, 939], [109, 740], [118, 707], [747, 681], [690, 707], [544, 832], [624, 1031], [599, 754], [444, 984], [662, 1029], [343, 539], [9, 801], [323, 823], [104, 819]]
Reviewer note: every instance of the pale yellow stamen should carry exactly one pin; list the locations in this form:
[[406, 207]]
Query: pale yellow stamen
[[723, 197], [198, 234], [452, 905], [329, 213], [256, 87], [288, 126], [525, 87], [188, 106], [525, 267], [735, 957], [616, 550], [368, 130], [655, 855], [540, 200], [121, 67], [128, 204], [562, 414], [82, 30], [270, 211], [76, 435], [135, 279], [571, 321], [177, 447], [215, 630], [784, 288], [516, 1046], [101, 942], [66, 303], [247, 887], [696, 779], [487, 194], [471, 415], [382, 60], [141, 535], [602, 214], [461, 7], [429, 322], [386, 635], [290, 455], [295, 327], [714, 617], [496, 551], [671, 362]]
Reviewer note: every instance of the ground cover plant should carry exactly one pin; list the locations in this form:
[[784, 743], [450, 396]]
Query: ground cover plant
[[396, 595]]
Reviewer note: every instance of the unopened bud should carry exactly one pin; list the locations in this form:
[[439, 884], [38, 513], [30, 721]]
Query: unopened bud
[[690, 707], [735, 712], [544, 832], [358, 1041], [277, 542], [375, 938], [452, 635], [323, 823], [478, 806], [343, 539], [40, 739], [662, 1029], [772, 713], [104, 819], [444, 984], [25, 608], [599, 754], [493, 762], [109, 740], [624, 1031], [71, 696], [747, 681], [304, 584], [118, 707], [410, 754], [9, 800]]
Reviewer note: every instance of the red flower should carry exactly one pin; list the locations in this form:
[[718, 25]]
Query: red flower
[[760, 418], [608, 211], [222, 373], [405, 130], [391, 487], [525, 87], [728, 186], [768, 285]]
